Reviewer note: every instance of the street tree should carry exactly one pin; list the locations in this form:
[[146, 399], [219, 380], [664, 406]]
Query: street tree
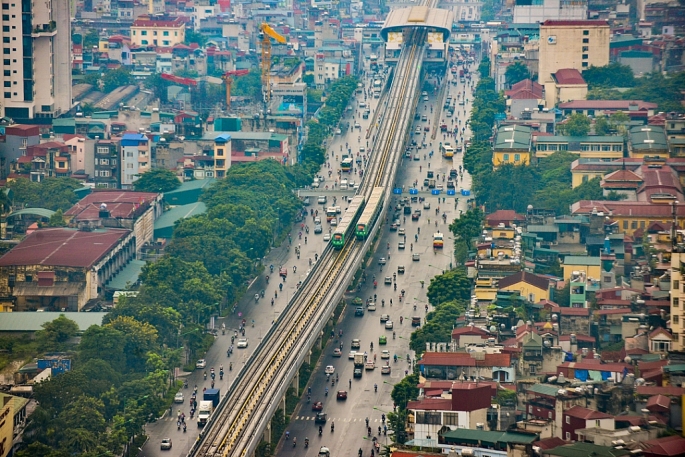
[[449, 286], [157, 180], [516, 72]]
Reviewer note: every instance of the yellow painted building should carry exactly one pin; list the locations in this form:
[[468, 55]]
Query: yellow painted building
[[590, 265], [678, 299], [531, 286], [587, 147], [222, 155], [512, 145], [572, 44], [155, 31]]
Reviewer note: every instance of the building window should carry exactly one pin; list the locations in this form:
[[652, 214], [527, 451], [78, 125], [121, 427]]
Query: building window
[[165, 33], [220, 152], [586, 48], [568, 420], [8, 94], [143, 32], [585, 178], [5, 6], [5, 17], [676, 300], [549, 415], [505, 158], [675, 319], [517, 157], [143, 41], [586, 32], [166, 42], [584, 56], [8, 83], [584, 65], [568, 436], [450, 419], [6, 51], [586, 40]]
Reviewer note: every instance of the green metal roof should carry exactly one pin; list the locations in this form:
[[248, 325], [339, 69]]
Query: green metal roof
[[516, 137], [624, 40], [674, 368], [585, 450], [580, 139], [128, 276], [170, 217], [248, 136], [542, 229], [637, 54], [494, 437], [32, 321], [582, 260], [647, 138], [42, 212], [544, 389]]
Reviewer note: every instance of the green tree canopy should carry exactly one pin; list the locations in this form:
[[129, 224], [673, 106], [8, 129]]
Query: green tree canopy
[[439, 325], [577, 124], [611, 75], [516, 72], [191, 36], [157, 180], [51, 193], [449, 286], [56, 333], [116, 78]]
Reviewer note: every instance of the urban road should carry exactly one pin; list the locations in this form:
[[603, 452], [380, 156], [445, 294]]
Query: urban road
[[362, 400]]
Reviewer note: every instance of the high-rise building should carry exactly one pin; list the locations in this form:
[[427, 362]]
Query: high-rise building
[[532, 11], [678, 296], [571, 44], [36, 59]]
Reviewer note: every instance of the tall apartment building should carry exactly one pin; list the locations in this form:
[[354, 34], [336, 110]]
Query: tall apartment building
[[135, 158], [36, 59], [571, 44], [107, 172], [678, 297], [534, 11]]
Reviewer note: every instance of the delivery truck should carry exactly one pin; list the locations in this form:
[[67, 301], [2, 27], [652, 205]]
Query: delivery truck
[[203, 412]]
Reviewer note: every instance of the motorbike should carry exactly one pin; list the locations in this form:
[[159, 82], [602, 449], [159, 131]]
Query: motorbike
[[306, 443]]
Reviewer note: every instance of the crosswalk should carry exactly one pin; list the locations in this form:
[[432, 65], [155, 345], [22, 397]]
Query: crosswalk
[[339, 419]]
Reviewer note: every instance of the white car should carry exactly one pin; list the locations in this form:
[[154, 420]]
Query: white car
[[178, 398], [371, 307], [401, 232], [381, 261], [351, 183], [327, 237], [388, 325], [351, 355], [242, 343], [330, 369], [385, 354], [201, 363]]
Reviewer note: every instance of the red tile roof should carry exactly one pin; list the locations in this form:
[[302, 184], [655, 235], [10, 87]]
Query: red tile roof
[[569, 76], [595, 364], [564, 311], [669, 446], [469, 330], [525, 89], [432, 404], [584, 413], [120, 204], [464, 359], [606, 104], [534, 280], [658, 403], [549, 443], [505, 215], [63, 247], [627, 209], [656, 390], [583, 338], [147, 21]]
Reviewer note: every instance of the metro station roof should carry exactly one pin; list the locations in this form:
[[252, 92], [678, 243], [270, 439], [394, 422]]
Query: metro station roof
[[419, 16]]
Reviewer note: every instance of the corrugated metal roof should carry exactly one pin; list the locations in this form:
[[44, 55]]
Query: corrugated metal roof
[[179, 212], [128, 275], [43, 212], [544, 389], [581, 260], [32, 322]]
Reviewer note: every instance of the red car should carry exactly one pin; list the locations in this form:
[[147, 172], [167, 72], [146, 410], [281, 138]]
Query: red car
[[342, 395], [283, 272], [317, 406]]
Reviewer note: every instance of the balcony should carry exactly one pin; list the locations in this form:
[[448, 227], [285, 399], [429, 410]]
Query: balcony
[[44, 30]]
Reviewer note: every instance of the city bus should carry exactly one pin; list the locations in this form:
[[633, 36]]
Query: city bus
[[437, 240], [346, 164], [331, 213], [446, 150]]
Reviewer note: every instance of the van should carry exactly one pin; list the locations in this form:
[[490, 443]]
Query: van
[[316, 183], [322, 199], [343, 184], [416, 321]]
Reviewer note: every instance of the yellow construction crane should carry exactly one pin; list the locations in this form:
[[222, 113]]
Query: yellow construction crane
[[267, 32]]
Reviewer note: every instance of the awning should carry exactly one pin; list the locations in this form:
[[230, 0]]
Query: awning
[[59, 289]]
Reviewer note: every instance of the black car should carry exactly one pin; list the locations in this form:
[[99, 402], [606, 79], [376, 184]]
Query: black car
[[357, 373]]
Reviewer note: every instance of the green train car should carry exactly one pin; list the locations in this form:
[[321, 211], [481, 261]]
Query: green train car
[[371, 211]]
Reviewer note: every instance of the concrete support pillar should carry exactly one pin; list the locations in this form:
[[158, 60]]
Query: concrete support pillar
[[296, 383], [267, 433], [308, 359], [283, 406]]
